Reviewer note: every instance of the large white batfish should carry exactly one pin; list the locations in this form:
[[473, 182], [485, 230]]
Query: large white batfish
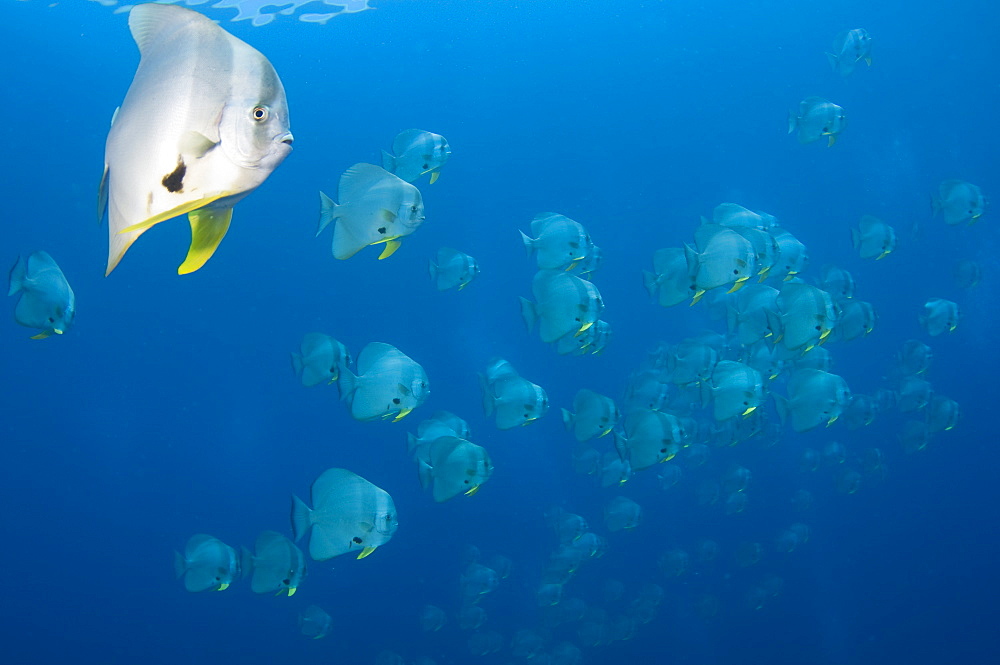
[[203, 124]]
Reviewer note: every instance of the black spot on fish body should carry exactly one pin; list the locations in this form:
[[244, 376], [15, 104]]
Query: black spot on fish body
[[395, 400], [286, 581], [381, 230], [356, 540], [174, 182]]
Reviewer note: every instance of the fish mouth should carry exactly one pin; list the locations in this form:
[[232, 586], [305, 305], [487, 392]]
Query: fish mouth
[[286, 138]]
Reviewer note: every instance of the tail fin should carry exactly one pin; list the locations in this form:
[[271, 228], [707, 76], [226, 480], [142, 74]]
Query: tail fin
[[425, 473], [833, 60], [348, 383], [297, 363], [529, 313], [327, 212], [793, 121], [18, 275], [180, 564], [781, 405], [488, 399], [432, 268], [300, 518], [856, 238], [650, 281], [246, 562], [567, 419], [529, 243], [388, 162]]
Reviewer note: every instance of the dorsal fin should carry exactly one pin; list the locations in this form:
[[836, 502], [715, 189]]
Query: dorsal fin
[[149, 22]]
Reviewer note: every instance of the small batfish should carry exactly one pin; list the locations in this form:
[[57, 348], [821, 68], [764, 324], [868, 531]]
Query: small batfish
[[736, 216], [807, 315], [319, 359], [515, 400], [349, 513], [792, 257], [442, 423], [416, 152], [45, 300], [203, 124], [451, 268], [691, 362], [432, 618], [559, 242], [622, 513], [860, 411], [566, 305], [914, 358], [568, 527], [593, 415], [815, 358], [814, 398], [958, 201], [850, 48], [314, 622], [942, 414], [857, 318], [751, 313], [914, 394], [968, 274], [939, 316], [873, 239], [669, 282], [375, 207], [454, 466], [765, 248], [722, 258], [735, 389], [651, 437], [589, 264], [389, 384], [277, 566], [837, 282], [764, 358], [591, 340], [817, 118], [207, 564]]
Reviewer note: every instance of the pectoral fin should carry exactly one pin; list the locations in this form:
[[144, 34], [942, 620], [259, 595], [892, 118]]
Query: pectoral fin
[[208, 228]]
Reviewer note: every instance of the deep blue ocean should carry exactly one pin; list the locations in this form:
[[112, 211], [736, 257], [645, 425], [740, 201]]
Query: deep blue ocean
[[170, 408]]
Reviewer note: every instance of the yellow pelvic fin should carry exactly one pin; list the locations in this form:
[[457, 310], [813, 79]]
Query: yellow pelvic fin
[[223, 586], [42, 335], [882, 255], [583, 329], [773, 377], [462, 286], [365, 552], [738, 285], [208, 228], [826, 333], [831, 140], [697, 296], [402, 414], [831, 421], [604, 433], [746, 414], [571, 266], [790, 275], [868, 60], [473, 491], [173, 212], [390, 248], [291, 591], [436, 174], [808, 349]]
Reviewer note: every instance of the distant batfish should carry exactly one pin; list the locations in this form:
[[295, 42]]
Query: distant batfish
[[203, 124], [45, 299]]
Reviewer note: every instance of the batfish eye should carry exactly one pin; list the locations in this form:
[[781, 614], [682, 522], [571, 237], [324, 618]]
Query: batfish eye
[[259, 113]]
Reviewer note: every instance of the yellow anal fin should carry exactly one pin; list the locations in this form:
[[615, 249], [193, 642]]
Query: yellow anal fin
[[223, 586], [208, 228], [434, 176], [365, 552], [291, 591], [42, 335], [697, 296], [173, 212], [473, 491], [738, 285], [402, 414], [390, 248], [571, 266]]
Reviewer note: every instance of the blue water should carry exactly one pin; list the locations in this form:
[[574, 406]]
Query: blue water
[[170, 408]]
